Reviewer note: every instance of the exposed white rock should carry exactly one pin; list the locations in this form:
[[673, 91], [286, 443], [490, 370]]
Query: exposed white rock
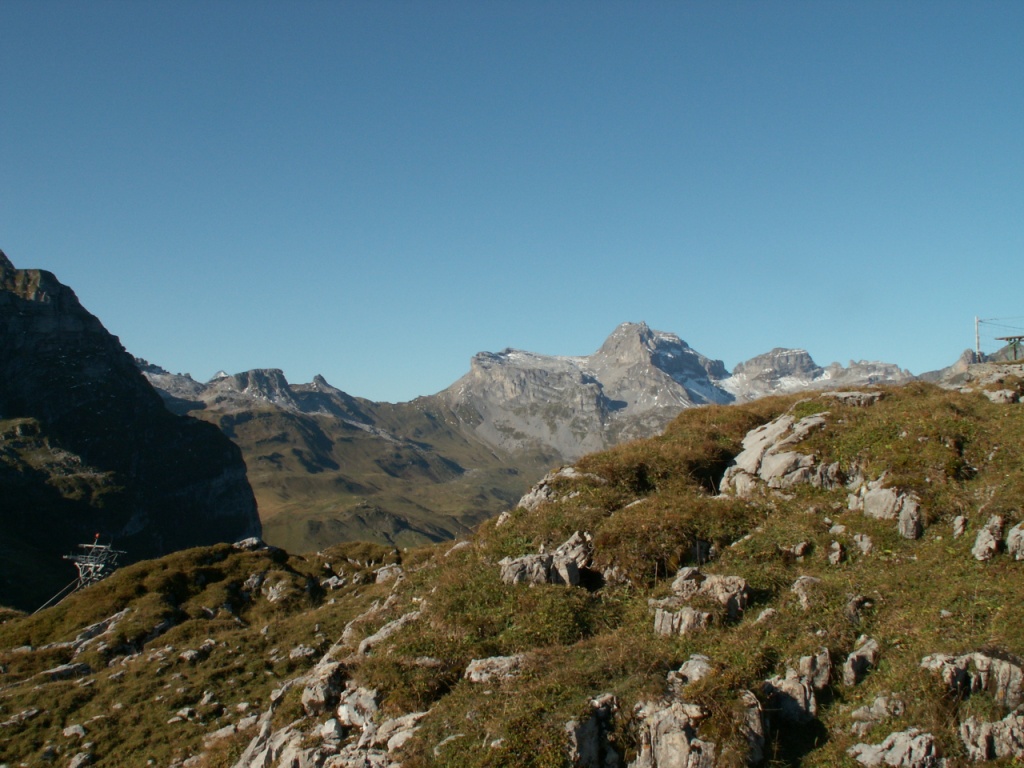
[[836, 553], [864, 543], [1015, 542], [986, 544], [868, 716], [882, 503], [322, 687], [993, 740], [816, 669], [767, 457], [494, 668], [860, 399], [357, 706], [682, 622], [697, 667], [388, 573], [668, 736], [973, 672], [906, 749], [1001, 396], [546, 491], [75, 731], [389, 629], [562, 566], [863, 657], [301, 652], [803, 587]]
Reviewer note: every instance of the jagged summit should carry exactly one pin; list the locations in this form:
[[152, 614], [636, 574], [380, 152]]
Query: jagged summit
[[778, 363], [5, 263]]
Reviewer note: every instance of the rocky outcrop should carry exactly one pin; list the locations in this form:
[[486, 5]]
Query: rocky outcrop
[[969, 673], [768, 457], [88, 446], [881, 503], [907, 749], [546, 490], [993, 740], [562, 566], [673, 617], [668, 736]]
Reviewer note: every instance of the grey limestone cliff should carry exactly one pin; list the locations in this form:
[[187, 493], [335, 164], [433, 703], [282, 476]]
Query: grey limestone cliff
[[87, 446]]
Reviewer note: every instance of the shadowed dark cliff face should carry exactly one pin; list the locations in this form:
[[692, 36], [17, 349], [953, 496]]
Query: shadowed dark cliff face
[[87, 446]]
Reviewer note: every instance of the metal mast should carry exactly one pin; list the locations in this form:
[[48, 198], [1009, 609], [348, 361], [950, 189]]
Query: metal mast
[[98, 561]]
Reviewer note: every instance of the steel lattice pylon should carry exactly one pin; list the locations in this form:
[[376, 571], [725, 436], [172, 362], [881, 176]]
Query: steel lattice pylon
[[98, 561]]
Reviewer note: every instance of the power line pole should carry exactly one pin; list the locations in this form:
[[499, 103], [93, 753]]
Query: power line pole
[[977, 341]]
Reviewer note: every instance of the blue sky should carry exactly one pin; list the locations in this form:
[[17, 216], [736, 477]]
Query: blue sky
[[375, 191]]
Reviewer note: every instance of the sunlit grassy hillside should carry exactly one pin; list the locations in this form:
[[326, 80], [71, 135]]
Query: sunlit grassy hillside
[[650, 508]]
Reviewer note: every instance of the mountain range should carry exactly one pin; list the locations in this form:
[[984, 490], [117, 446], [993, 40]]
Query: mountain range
[[326, 466]]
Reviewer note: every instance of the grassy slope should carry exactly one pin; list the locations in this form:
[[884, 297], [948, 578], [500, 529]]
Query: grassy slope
[[319, 480], [961, 453]]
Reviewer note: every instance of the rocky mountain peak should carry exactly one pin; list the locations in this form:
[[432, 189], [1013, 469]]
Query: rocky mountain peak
[[5, 263], [636, 344], [261, 384], [778, 363]]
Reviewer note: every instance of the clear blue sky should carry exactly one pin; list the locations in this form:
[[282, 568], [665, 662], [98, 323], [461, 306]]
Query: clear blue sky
[[375, 191]]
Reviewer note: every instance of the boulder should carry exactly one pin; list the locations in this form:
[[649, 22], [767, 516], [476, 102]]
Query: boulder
[[836, 553], [988, 540], [545, 491], [864, 543], [732, 592], [697, 667], [753, 728], [1001, 396], [357, 706], [864, 656], [562, 566], [816, 669]]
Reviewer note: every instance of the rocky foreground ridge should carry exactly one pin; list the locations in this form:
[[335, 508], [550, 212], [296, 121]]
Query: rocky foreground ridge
[[822, 580], [87, 447]]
